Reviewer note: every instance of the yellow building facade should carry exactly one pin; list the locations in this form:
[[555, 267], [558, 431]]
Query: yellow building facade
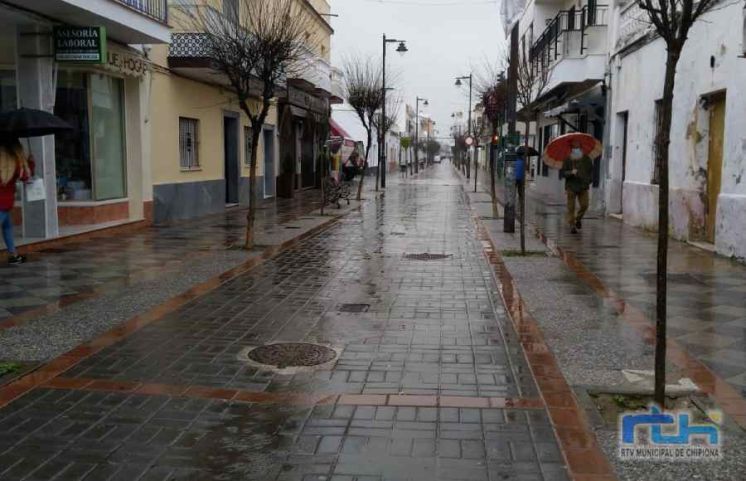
[[200, 142]]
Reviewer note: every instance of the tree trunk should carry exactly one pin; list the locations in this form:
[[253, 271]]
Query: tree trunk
[[663, 139], [251, 214], [365, 167]]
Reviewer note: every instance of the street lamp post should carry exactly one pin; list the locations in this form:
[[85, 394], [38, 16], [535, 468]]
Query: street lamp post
[[417, 134], [382, 127], [468, 125]]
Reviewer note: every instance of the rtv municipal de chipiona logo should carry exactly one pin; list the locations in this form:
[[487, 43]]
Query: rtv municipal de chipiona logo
[[659, 435]]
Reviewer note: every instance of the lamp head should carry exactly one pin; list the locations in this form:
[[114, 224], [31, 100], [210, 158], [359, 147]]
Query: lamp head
[[426, 103], [402, 48], [458, 82]]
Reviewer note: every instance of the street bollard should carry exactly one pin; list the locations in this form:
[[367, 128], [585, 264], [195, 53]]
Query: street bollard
[[509, 162]]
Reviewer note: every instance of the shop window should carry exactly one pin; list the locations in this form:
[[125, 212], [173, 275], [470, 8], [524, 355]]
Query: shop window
[[109, 160], [90, 159], [247, 133], [8, 99], [72, 149], [189, 143]]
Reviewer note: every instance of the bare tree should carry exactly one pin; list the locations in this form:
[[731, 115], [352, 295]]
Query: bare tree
[[494, 97], [393, 106], [255, 46], [672, 20], [532, 79], [362, 80]]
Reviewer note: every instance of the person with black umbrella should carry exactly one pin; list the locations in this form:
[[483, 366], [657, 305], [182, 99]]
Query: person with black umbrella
[[14, 166]]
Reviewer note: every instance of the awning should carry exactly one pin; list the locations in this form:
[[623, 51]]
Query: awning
[[337, 130]]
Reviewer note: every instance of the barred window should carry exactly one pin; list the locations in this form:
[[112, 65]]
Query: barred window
[[247, 134], [188, 143]]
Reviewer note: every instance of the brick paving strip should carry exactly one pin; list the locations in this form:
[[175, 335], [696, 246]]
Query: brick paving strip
[[263, 397], [58, 366], [583, 455]]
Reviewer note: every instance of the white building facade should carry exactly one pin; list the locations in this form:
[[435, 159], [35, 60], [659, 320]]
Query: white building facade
[[708, 140], [606, 69]]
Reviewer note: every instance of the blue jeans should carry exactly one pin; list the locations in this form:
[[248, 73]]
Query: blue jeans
[[7, 225]]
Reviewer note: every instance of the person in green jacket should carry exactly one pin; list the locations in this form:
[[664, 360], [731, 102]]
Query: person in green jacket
[[578, 172]]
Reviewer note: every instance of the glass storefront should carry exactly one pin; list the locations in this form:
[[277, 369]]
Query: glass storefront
[[8, 96], [91, 159]]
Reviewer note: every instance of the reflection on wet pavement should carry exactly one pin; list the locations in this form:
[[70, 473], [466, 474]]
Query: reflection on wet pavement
[[79, 270], [177, 400], [706, 306]]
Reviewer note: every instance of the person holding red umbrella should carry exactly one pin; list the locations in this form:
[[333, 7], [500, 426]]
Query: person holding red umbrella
[[573, 155], [578, 172]]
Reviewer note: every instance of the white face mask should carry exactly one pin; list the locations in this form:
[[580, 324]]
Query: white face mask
[[576, 153]]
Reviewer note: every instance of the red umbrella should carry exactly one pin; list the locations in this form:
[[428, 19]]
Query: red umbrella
[[560, 147]]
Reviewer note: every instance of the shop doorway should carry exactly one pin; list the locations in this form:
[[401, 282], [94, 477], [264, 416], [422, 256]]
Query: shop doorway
[[714, 163], [623, 125], [307, 168], [269, 163], [230, 147]]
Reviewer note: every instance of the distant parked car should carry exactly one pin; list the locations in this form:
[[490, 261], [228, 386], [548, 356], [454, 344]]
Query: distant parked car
[[436, 159]]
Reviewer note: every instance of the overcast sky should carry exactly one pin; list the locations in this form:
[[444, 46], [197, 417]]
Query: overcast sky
[[446, 39]]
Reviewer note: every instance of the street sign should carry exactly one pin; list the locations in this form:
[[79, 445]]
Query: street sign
[[469, 140], [80, 44]]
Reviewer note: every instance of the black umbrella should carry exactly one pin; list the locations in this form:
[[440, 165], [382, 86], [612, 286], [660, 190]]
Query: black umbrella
[[526, 151], [31, 123]]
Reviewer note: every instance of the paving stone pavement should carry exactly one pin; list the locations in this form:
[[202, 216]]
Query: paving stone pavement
[[78, 269], [706, 306], [431, 335]]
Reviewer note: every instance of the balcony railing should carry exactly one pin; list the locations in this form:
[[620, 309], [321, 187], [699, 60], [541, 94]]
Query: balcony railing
[[567, 34], [189, 45], [155, 9]]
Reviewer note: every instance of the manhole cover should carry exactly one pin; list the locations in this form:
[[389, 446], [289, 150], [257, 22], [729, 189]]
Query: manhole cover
[[354, 308], [292, 354], [292, 227], [427, 257]]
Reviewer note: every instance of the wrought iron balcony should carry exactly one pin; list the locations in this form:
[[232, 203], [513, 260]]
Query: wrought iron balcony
[[155, 9], [567, 35], [189, 46]]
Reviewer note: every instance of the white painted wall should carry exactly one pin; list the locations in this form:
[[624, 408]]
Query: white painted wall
[[637, 83]]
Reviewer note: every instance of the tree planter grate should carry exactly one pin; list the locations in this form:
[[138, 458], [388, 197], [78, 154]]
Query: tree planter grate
[[292, 354], [355, 308], [427, 257]]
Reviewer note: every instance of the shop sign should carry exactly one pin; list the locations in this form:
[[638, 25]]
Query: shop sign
[[307, 101], [80, 44], [127, 63]]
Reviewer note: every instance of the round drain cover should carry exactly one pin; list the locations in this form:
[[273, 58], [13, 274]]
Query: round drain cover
[[292, 354]]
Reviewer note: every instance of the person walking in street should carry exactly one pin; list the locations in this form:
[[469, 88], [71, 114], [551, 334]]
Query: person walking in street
[[14, 166], [578, 171]]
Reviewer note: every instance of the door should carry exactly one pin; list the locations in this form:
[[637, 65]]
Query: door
[[714, 163], [624, 119], [230, 147], [269, 163]]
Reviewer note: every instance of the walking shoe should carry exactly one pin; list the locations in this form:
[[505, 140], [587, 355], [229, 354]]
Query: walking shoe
[[578, 224], [574, 230], [15, 260]]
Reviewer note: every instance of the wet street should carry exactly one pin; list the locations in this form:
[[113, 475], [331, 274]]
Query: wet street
[[421, 377]]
